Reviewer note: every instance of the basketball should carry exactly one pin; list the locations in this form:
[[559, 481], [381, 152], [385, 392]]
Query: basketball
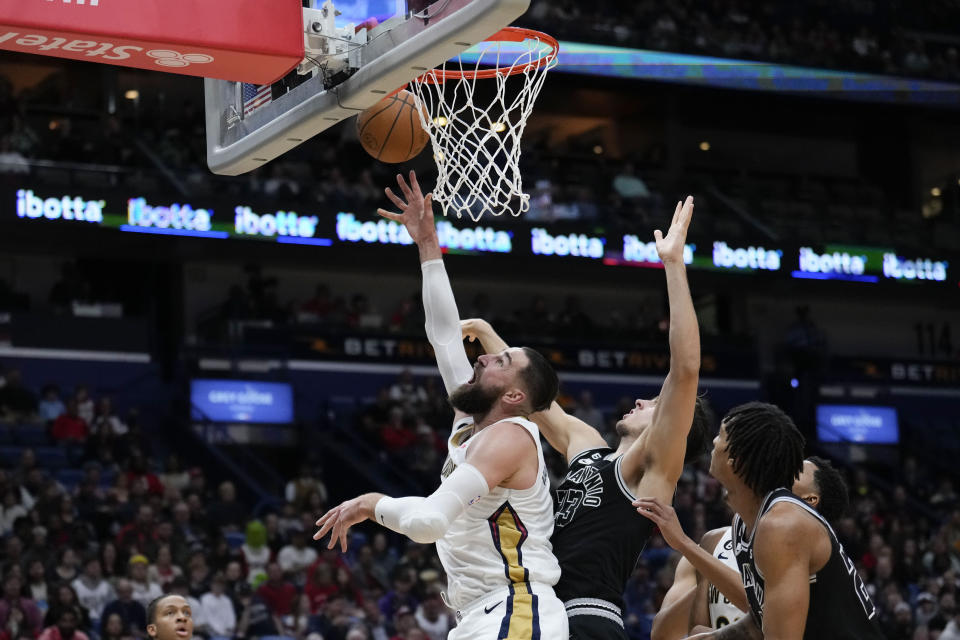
[[390, 130]]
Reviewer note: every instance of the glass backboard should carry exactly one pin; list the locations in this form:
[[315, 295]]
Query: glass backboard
[[354, 59]]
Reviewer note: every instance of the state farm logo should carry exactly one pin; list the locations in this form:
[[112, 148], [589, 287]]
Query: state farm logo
[[168, 58]]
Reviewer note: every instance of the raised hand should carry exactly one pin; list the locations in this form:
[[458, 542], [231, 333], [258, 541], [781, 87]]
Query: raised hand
[[416, 210], [664, 516], [670, 247], [473, 328], [338, 520]]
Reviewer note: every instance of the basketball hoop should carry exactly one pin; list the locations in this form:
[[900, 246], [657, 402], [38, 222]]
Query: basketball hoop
[[477, 147]]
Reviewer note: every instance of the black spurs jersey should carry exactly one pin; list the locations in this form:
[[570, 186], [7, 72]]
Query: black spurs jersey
[[840, 608], [598, 534]]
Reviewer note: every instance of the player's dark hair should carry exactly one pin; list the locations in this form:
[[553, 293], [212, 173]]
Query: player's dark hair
[[834, 494], [765, 445], [154, 605], [540, 380], [700, 431]]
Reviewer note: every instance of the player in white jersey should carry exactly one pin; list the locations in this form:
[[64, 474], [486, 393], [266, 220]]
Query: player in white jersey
[[707, 589], [492, 516]]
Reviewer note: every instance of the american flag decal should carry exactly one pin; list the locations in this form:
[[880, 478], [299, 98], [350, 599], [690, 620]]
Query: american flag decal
[[255, 96]]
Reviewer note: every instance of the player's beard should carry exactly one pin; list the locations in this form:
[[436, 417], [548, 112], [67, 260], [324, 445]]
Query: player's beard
[[474, 399]]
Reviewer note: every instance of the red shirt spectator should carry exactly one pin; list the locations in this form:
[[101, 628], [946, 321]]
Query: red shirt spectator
[[395, 435], [70, 426], [140, 536], [277, 593]]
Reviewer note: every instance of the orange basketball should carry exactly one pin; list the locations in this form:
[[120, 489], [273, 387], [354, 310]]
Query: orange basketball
[[390, 130]]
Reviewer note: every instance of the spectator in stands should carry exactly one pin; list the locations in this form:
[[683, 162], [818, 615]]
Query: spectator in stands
[[408, 317], [144, 589], [106, 421], [85, 405], [37, 589], [407, 392], [395, 436], [15, 627], [12, 598], [277, 591], [67, 567], [70, 427], [163, 570], [320, 585], [405, 624], [65, 627], [186, 536], [93, 592], [432, 617], [140, 535], [10, 511], [174, 476], [27, 463], [16, 401], [110, 562], [51, 406], [275, 537], [401, 595], [226, 514], [133, 614], [219, 616], [113, 629], [66, 598], [255, 619], [198, 573], [320, 306], [309, 481], [295, 623], [296, 557]]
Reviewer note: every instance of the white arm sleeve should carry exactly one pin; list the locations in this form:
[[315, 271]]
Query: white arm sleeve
[[426, 520], [443, 325]]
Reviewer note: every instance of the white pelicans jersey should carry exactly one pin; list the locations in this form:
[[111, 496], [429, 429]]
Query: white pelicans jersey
[[722, 612], [503, 539]]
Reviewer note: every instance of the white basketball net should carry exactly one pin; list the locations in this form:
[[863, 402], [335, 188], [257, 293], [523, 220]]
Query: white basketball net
[[477, 146]]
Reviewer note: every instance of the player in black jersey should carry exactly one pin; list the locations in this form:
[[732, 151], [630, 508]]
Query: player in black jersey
[[707, 591], [798, 580], [598, 536]]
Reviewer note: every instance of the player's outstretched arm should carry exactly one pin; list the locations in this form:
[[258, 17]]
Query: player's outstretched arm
[[654, 462], [673, 620], [440, 307], [497, 454], [567, 434], [726, 580]]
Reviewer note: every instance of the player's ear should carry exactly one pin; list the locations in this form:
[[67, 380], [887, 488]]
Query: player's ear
[[152, 631], [514, 397], [812, 500]]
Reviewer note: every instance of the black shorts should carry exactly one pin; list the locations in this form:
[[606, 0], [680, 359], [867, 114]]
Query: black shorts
[[586, 627]]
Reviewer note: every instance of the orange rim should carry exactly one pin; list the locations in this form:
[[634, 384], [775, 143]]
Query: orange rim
[[507, 34]]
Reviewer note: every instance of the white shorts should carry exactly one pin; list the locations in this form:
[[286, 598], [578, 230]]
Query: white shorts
[[518, 612]]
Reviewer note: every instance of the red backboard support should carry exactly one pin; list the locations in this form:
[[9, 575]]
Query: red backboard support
[[255, 41]]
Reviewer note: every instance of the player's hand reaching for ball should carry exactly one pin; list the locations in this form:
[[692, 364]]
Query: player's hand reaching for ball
[[416, 210], [665, 517], [338, 520], [670, 246]]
